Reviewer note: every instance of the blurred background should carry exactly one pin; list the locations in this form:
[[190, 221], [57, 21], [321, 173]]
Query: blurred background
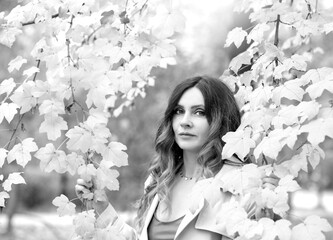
[[200, 51]]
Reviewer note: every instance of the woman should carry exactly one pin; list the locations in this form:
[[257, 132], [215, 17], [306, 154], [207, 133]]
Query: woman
[[188, 148]]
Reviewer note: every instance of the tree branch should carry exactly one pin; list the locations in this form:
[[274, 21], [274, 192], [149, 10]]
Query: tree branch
[[276, 37], [33, 21]]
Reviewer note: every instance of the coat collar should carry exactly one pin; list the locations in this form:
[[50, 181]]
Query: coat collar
[[189, 216], [150, 213], [191, 213]]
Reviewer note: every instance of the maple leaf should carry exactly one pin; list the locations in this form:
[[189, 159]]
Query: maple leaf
[[8, 111], [258, 119], [277, 201], [65, 207], [309, 154], [16, 63], [164, 48], [307, 110], [260, 96], [3, 155], [270, 145], [7, 86], [107, 178], [98, 90], [313, 154], [85, 223], [318, 129], [238, 143], [230, 81], [121, 80], [317, 75], [100, 133], [235, 36], [287, 115], [21, 152], [280, 229], [272, 52], [294, 165], [87, 172], [43, 88], [241, 180], [166, 22], [287, 184], [144, 63], [249, 229], [296, 61], [328, 27], [23, 96], [8, 35], [13, 178], [52, 106], [290, 115], [98, 116], [51, 159], [30, 71], [3, 196], [52, 126], [79, 139], [241, 59], [289, 136], [246, 78], [306, 27], [311, 228], [77, 34], [316, 90], [230, 215], [73, 162], [88, 60], [299, 62], [325, 112], [114, 155], [257, 33], [291, 90]]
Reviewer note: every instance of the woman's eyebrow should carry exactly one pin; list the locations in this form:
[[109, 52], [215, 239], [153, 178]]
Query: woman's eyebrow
[[198, 106], [194, 106]]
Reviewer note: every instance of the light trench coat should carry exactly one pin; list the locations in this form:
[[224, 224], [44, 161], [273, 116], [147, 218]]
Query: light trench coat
[[199, 223]]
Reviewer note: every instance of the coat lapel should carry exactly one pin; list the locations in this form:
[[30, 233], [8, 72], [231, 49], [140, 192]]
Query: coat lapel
[[150, 213], [189, 216]]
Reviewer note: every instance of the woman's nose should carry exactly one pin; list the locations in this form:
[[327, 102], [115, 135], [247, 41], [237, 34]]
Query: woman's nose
[[186, 121]]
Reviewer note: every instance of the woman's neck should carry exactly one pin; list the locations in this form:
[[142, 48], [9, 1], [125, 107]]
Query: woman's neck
[[191, 166]]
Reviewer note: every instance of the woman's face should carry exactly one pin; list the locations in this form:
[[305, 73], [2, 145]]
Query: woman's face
[[189, 122]]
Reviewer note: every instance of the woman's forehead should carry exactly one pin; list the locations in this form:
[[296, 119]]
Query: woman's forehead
[[192, 97]]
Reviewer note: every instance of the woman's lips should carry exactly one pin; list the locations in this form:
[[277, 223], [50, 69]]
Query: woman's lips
[[185, 134]]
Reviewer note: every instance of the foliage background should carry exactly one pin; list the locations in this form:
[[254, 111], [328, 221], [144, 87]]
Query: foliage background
[[201, 51]]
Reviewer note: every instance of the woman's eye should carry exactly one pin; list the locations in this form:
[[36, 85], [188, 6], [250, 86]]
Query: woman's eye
[[200, 112], [178, 111]]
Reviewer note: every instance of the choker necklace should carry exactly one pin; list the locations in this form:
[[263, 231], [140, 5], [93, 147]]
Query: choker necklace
[[181, 173]]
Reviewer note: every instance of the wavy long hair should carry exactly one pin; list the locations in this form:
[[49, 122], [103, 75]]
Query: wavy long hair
[[223, 115]]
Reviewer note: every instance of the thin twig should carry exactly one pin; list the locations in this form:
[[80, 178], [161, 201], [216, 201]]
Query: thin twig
[[62, 143], [35, 75], [86, 41], [33, 21], [14, 131]]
